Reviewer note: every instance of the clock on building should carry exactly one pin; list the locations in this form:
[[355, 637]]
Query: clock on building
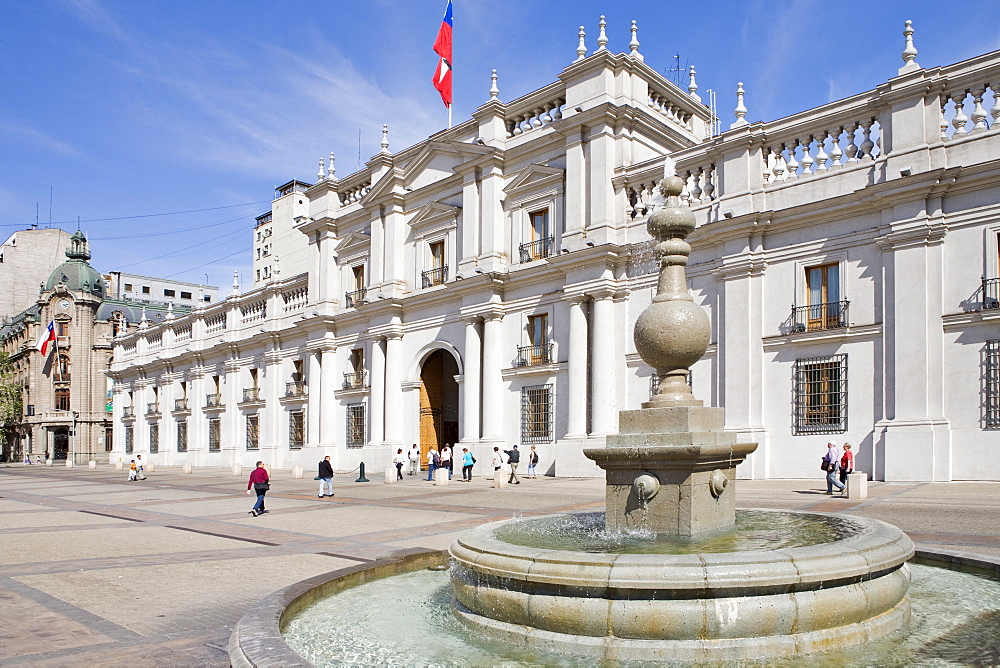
[[63, 304]]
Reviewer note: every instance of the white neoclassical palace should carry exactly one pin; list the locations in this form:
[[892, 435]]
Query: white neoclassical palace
[[480, 287]]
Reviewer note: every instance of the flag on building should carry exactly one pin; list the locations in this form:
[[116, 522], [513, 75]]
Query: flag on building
[[442, 46], [48, 337]]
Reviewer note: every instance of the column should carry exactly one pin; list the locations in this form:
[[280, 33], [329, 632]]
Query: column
[[604, 390], [234, 433], [376, 400], [393, 406], [314, 406], [270, 429], [471, 382], [492, 378], [577, 383], [327, 387]]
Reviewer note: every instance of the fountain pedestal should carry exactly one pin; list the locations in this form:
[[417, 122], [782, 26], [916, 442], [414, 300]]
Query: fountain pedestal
[[670, 470]]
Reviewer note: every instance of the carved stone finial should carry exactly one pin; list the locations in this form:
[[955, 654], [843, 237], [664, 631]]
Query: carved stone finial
[[581, 48], [494, 91], [331, 173], [693, 85], [322, 171], [909, 54], [236, 282], [170, 311], [741, 110], [385, 138], [633, 46], [602, 37]]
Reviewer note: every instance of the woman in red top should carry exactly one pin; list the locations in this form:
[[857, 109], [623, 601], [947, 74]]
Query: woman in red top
[[846, 463], [259, 483]]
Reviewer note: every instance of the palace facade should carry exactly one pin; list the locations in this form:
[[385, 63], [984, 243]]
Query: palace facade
[[480, 287]]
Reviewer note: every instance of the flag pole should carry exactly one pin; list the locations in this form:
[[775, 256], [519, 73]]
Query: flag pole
[[449, 117]]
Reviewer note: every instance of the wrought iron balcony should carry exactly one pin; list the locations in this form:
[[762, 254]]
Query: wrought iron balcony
[[296, 388], [153, 409], [251, 394], [128, 412], [534, 355], [181, 404], [536, 250], [436, 276], [355, 379], [356, 298], [991, 293], [816, 317], [213, 400]]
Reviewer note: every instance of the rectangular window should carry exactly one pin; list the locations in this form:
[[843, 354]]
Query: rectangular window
[[296, 429], [145, 289], [820, 395], [823, 297], [154, 438], [253, 432], [437, 254], [358, 359], [359, 276], [169, 293], [129, 439], [215, 435], [109, 438], [539, 224], [128, 287], [538, 329], [62, 398], [992, 378], [185, 295], [438, 273], [355, 425], [182, 436], [536, 414], [208, 298]]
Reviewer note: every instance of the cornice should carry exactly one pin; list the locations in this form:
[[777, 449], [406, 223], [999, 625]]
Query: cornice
[[912, 234], [838, 335]]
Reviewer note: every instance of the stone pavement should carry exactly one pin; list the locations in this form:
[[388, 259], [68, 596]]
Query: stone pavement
[[98, 571]]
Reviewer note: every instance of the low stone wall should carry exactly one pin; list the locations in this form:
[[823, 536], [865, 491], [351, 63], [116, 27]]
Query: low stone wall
[[257, 640]]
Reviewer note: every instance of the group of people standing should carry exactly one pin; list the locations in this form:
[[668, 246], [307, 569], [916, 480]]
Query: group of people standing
[[837, 466]]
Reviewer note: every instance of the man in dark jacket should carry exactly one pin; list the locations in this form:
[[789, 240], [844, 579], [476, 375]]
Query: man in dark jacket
[[325, 477], [514, 457]]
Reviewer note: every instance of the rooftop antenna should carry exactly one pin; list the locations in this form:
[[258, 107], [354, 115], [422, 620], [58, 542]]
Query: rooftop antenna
[[676, 72], [35, 226], [716, 124]]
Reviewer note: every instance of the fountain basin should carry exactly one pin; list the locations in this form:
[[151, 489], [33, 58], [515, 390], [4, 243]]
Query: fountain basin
[[698, 606]]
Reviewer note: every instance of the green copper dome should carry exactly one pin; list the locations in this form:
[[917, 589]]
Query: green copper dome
[[76, 273]]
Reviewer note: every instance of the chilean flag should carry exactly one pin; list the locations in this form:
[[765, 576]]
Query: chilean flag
[[48, 336], [442, 46]]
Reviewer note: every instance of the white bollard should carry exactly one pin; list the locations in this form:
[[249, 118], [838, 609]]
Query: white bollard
[[441, 477], [857, 485], [390, 474], [69, 463], [149, 467], [119, 465], [186, 468], [92, 464], [297, 472], [48, 462], [237, 469]]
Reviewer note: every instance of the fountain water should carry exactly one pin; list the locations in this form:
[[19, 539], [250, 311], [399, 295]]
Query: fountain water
[[671, 475]]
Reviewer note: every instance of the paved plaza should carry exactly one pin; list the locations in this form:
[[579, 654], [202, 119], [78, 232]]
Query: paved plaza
[[98, 571]]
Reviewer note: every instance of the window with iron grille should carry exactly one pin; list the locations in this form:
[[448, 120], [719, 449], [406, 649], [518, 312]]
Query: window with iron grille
[[182, 436], [820, 395], [536, 414], [214, 435], [992, 378], [253, 432], [355, 425], [129, 436], [296, 429], [154, 438]]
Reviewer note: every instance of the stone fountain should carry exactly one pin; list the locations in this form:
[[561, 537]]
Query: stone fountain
[[671, 481]]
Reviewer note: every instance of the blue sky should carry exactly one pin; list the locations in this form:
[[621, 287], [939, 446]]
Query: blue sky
[[129, 108]]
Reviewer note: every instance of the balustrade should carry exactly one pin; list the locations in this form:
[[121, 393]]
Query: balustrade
[[355, 193], [822, 151], [180, 404], [815, 317], [991, 293], [295, 298], [534, 355], [356, 298], [955, 123], [254, 311], [296, 388], [213, 400], [536, 250], [128, 412], [215, 323], [666, 105], [432, 277], [354, 379], [535, 117], [153, 408], [183, 333], [251, 394]]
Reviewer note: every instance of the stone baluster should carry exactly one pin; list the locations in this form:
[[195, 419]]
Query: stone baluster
[[710, 183], [547, 113], [942, 121], [792, 163], [779, 165], [821, 156], [697, 191], [835, 152], [807, 160], [768, 165], [867, 144], [536, 119], [960, 120], [978, 114], [631, 199], [557, 109], [995, 110], [517, 126], [852, 149]]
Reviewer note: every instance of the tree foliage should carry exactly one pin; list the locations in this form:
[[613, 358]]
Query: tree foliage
[[10, 396]]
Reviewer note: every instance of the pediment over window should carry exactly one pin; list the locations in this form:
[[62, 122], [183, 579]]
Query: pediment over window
[[438, 160], [355, 243], [535, 179], [434, 216]]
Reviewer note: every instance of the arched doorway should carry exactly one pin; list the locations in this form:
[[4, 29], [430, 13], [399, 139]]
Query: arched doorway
[[60, 443], [438, 402]]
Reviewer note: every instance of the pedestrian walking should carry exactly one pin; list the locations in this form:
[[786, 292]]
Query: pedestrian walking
[[846, 463], [38, 459], [399, 459], [414, 456], [433, 462], [467, 463], [140, 471], [325, 477], [258, 484], [513, 458], [831, 464], [446, 462], [27, 458], [532, 462], [499, 459], [131, 471]]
